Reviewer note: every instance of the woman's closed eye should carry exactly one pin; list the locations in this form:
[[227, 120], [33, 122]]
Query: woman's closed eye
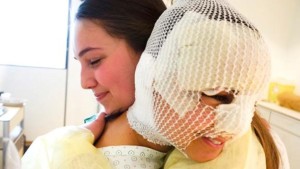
[[95, 62]]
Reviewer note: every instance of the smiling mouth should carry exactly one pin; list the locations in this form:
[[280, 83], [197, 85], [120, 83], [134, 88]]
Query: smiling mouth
[[215, 141], [101, 96]]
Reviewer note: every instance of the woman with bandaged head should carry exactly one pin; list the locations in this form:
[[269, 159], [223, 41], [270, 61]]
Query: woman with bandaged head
[[196, 85], [197, 82]]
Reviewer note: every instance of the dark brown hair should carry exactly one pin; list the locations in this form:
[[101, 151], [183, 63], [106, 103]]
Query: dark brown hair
[[132, 20]]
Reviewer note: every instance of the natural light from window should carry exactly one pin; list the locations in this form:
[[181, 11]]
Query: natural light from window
[[34, 33]]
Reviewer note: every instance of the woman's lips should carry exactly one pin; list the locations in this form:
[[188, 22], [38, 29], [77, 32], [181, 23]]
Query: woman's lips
[[100, 96], [214, 142]]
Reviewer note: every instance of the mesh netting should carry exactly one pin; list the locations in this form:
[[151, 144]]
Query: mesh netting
[[198, 46]]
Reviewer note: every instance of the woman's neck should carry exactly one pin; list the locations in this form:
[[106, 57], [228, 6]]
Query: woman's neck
[[118, 132]]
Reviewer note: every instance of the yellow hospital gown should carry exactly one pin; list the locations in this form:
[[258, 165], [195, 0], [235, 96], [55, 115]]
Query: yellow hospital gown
[[72, 148], [243, 153], [65, 148]]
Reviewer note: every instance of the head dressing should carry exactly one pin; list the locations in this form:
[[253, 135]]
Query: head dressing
[[196, 47]]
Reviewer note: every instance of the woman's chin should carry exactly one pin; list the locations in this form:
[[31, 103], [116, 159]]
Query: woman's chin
[[203, 150], [204, 158]]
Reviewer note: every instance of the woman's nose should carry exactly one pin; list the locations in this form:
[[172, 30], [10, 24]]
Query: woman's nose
[[87, 80]]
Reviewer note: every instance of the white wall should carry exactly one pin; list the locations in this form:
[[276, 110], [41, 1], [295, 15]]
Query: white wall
[[44, 92], [50, 102], [54, 96], [279, 22]]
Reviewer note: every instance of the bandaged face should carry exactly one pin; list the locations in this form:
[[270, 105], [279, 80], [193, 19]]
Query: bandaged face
[[193, 55]]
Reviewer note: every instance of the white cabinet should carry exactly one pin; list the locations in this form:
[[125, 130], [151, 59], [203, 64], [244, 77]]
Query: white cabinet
[[11, 128], [292, 143], [286, 123]]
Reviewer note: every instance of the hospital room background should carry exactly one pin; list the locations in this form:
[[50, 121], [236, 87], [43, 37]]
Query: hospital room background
[[38, 73]]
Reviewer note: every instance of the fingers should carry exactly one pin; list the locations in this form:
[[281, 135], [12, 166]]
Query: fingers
[[96, 126]]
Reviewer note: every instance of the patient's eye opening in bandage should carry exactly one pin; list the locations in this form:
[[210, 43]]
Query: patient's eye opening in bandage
[[219, 96]]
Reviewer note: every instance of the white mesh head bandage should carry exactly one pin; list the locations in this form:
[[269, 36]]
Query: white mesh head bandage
[[196, 47]]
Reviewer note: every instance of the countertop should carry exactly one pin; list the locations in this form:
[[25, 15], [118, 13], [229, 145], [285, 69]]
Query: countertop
[[288, 112]]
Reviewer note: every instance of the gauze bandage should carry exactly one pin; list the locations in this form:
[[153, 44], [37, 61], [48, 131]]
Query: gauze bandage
[[198, 47]]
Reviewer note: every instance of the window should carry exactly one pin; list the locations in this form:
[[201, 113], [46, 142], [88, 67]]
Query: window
[[34, 33]]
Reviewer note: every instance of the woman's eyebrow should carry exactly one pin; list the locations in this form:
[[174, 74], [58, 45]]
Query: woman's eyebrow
[[85, 50]]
